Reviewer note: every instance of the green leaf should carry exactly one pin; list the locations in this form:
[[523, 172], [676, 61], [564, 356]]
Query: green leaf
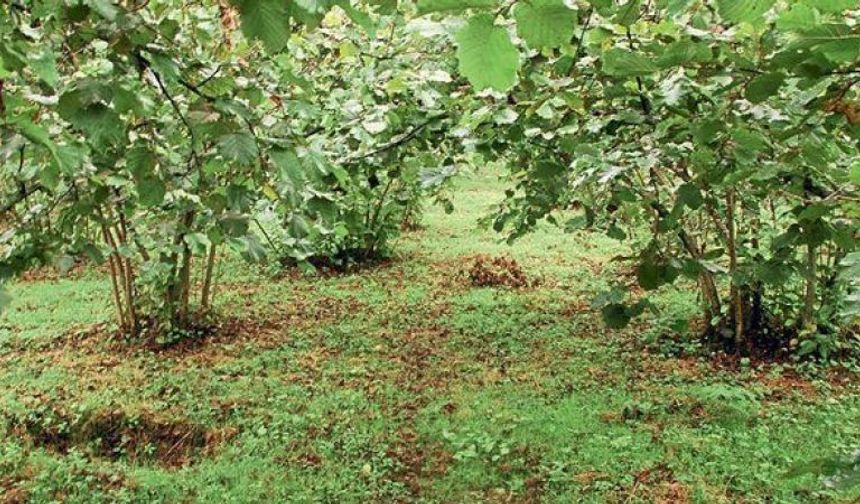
[[836, 42], [266, 21], [748, 143], [547, 170], [428, 6], [623, 63], [199, 243], [165, 66], [103, 126], [289, 167], [854, 174], [676, 7], [486, 54], [799, 17], [33, 132], [361, 19], [105, 8], [50, 174], [691, 196], [683, 52], [764, 86], [653, 273], [545, 23], [628, 13], [4, 73], [604, 7], [615, 316], [833, 6], [743, 11], [151, 190], [238, 147], [649, 276], [45, 66]]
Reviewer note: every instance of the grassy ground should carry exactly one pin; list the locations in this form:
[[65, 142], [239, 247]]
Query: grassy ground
[[403, 383]]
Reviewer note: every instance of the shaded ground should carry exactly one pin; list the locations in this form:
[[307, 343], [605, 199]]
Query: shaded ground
[[405, 382]]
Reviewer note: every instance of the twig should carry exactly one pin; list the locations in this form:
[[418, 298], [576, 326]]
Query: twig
[[405, 138]]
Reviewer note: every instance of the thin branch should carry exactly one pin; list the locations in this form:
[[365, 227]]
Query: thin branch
[[405, 138], [146, 64]]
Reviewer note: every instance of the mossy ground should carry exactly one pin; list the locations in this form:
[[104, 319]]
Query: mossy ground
[[404, 382]]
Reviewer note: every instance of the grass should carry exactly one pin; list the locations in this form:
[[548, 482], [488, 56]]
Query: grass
[[404, 383]]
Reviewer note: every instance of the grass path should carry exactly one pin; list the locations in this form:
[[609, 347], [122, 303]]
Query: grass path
[[403, 383]]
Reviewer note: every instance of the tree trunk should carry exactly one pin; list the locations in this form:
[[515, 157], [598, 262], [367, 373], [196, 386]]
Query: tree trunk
[[184, 285], [114, 279], [810, 296], [180, 276], [207, 278], [735, 291]]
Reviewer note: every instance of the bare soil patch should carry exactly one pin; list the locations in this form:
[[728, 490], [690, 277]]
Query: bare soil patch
[[116, 435]]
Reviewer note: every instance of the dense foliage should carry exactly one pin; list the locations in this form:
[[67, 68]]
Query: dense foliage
[[373, 107], [719, 139], [153, 136]]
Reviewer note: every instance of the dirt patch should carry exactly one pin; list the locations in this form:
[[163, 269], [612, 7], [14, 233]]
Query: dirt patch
[[672, 493], [53, 274], [415, 464], [115, 435], [658, 484], [422, 363], [10, 493], [497, 271], [264, 328], [328, 267]]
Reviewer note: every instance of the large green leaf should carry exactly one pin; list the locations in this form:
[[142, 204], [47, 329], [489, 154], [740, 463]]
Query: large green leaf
[[624, 63], [238, 147], [486, 54], [545, 23], [836, 42], [150, 190], [45, 66], [684, 52], [834, 6], [628, 12], [799, 17], [740, 11], [266, 21], [690, 195], [764, 86]]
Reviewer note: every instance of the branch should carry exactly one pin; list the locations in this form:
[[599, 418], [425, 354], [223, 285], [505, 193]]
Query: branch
[[146, 64], [643, 100], [405, 138]]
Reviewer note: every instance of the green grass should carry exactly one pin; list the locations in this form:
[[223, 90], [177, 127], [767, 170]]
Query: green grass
[[404, 383]]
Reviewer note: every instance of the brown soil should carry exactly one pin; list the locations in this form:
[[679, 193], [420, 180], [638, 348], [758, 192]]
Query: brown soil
[[52, 274], [416, 465], [327, 267], [115, 435], [658, 484], [11, 494]]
